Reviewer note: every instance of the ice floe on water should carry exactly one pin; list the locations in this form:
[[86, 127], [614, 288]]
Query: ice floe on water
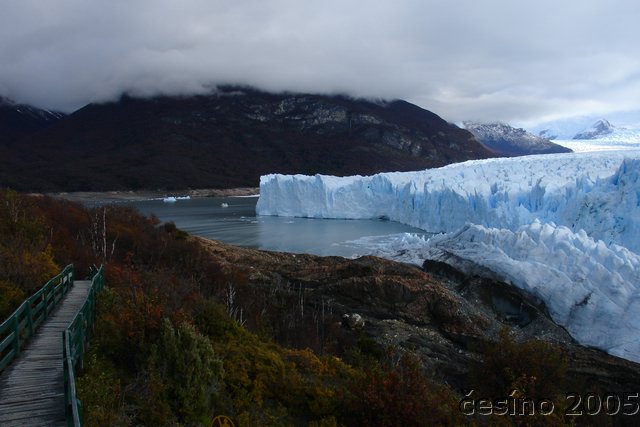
[[173, 199], [409, 248]]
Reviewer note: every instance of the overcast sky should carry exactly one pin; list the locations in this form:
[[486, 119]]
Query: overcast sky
[[515, 61]]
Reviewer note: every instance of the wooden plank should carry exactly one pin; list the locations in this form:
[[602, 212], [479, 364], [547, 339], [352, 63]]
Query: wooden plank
[[36, 419]]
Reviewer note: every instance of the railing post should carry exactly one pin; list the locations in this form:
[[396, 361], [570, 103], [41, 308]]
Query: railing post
[[90, 312], [58, 289], [95, 308], [81, 348], [16, 335], [29, 317], [65, 370], [45, 294]]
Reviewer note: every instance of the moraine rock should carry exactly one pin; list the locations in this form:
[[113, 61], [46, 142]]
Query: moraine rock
[[438, 312]]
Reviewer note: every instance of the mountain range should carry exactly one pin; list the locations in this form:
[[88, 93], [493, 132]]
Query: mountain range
[[508, 141], [226, 139], [625, 128], [599, 129]]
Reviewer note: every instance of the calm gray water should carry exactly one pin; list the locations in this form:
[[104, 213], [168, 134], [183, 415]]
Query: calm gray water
[[238, 224]]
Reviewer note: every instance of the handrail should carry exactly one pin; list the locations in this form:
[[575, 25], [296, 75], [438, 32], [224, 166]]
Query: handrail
[[18, 328], [74, 343]]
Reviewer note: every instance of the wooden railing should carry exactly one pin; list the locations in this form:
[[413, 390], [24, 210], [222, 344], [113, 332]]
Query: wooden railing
[[74, 343], [23, 323]]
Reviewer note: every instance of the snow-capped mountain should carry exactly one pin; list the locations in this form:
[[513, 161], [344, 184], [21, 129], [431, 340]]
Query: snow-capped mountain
[[563, 227], [31, 112], [565, 128], [509, 141], [588, 134], [604, 136], [19, 120], [568, 127], [548, 134], [598, 130]]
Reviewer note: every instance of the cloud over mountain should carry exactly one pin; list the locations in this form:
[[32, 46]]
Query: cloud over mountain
[[465, 60]]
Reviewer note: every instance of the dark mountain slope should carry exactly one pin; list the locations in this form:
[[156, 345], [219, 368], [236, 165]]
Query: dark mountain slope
[[17, 120], [229, 139]]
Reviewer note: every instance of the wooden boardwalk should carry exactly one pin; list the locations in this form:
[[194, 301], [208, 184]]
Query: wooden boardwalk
[[32, 387]]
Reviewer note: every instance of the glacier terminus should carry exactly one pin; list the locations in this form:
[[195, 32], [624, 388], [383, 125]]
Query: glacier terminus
[[564, 227]]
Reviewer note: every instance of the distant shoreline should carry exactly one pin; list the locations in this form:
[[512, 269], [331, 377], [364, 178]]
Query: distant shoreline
[[124, 196]]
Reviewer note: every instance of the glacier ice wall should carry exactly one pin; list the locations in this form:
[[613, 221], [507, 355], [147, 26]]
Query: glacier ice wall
[[597, 192], [589, 288], [565, 227]]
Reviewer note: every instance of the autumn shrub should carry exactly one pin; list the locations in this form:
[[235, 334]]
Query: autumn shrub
[[397, 392], [535, 370], [266, 384], [69, 227], [10, 298], [119, 336], [26, 255]]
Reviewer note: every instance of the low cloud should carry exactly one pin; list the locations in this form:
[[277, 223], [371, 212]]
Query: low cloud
[[490, 60]]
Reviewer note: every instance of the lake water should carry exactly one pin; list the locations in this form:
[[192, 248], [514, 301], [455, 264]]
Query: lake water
[[238, 224]]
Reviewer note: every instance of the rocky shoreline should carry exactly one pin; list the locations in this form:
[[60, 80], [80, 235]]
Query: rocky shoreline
[[128, 196]]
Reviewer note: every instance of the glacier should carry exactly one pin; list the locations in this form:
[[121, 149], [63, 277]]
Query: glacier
[[564, 227], [589, 288]]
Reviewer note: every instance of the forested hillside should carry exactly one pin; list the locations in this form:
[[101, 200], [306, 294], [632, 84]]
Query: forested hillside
[[228, 139]]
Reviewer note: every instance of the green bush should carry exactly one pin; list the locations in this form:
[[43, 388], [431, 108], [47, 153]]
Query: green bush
[[101, 390], [190, 370]]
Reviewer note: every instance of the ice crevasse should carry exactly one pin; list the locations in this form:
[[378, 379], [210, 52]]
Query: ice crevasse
[[565, 227]]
